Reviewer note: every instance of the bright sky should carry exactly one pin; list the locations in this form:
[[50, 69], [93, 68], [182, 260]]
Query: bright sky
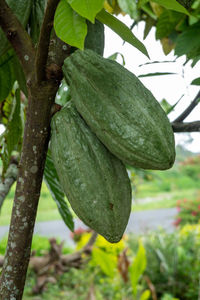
[[170, 87]]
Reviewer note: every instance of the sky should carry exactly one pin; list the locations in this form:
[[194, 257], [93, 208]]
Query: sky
[[169, 87]]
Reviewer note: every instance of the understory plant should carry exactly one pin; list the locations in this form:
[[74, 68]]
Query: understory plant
[[188, 211]]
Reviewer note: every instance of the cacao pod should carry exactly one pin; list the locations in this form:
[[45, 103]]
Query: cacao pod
[[95, 37], [120, 110], [95, 181]]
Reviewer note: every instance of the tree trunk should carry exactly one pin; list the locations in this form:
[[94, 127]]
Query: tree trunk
[[31, 167]]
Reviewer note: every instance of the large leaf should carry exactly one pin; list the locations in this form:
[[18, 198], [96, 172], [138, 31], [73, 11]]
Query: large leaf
[[188, 42], [129, 7], [12, 137], [7, 75], [138, 267], [87, 8], [69, 26], [166, 23], [122, 30], [173, 5], [54, 186]]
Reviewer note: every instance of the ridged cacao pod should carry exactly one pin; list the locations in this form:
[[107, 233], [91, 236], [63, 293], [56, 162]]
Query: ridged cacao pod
[[95, 37], [95, 181], [120, 110]]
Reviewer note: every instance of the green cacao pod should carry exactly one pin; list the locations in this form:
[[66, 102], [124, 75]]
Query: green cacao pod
[[95, 181], [22, 9], [120, 110], [95, 37]]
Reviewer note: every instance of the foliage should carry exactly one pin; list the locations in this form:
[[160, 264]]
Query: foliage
[[184, 175], [172, 261], [177, 26], [40, 245], [175, 23], [171, 267], [188, 211]]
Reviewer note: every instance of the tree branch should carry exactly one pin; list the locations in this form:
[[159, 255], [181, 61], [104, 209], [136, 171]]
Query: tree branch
[[188, 110], [18, 37], [6, 184], [186, 127], [44, 39]]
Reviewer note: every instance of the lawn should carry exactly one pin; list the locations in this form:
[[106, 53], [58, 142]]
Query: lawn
[[151, 190], [47, 209]]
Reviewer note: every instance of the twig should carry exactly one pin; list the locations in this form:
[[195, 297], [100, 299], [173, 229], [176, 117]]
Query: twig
[[18, 37], [188, 110], [186, 127], [6, 184], [44, 40], [91, 241]]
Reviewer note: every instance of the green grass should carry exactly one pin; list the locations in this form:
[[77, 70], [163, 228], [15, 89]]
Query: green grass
[[168, 200], [47, 209], [169, 186]]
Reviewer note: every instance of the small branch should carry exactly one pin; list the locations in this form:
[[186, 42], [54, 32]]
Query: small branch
[[186, 127], [18, 37], [44, 39], [6, 184], [188, 110], [91, 241]]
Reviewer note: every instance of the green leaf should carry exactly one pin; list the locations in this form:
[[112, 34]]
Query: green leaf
[[167, 106], [21, 9], [19, 75], [173, 5], [87, 8], [114, 57], [149, 23], [122, 30], [129, 7], [166, 23], [196, 81], [54, 186], [69, 26], [105, 261], [36, 18], [12, 137], [186, 3], [6, 108], [157, 62], [145, 295], [7, 76], [156, 74], [188, 41], [173, 106], [137, 268]]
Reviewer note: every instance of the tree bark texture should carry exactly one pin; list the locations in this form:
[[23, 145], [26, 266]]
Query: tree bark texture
[[31, 166]]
